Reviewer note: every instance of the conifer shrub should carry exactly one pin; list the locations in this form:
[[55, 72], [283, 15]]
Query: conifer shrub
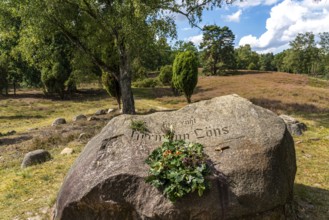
[[185, 73], [112, 86], [165, 75]]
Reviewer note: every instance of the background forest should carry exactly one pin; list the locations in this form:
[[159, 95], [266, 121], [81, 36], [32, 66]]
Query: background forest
[[68, 44]]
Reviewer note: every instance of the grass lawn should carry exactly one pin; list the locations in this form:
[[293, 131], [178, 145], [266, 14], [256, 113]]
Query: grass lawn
[[32, 191]]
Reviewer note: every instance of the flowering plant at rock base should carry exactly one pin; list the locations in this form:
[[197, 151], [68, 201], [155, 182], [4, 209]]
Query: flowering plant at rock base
[[178, 168]]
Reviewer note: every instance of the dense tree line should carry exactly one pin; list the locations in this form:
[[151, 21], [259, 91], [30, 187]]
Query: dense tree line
[[118, 37], [55, 44], [306, 55]]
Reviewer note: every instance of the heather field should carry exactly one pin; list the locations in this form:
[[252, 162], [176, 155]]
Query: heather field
[[26, 193]]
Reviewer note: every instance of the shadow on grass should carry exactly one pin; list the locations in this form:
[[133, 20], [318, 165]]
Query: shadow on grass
[[14, 140], [308, 111], [87, 94], [80, 95], [12, 117], [276, 105], [200, 89], [34, 95], [244, 72], [152, 93], [312, 202]]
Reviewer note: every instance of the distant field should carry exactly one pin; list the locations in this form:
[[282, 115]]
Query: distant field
[[30, 192]]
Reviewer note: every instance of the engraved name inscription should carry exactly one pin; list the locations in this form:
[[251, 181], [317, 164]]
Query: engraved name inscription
[[197, 133], [186, 122]]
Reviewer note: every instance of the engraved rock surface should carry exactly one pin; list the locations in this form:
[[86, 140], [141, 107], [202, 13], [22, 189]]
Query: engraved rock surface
[[107, 180]]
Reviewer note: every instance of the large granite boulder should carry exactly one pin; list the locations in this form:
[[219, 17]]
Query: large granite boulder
[[247, 143]]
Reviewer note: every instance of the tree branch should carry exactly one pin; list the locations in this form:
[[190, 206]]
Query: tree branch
[[76, 41]]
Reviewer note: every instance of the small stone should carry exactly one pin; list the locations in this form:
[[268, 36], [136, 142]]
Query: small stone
[[29, 213], [11, 132], [80, 118], [317, 185], [294, 126], [59, 121], [110, 110], [67, 151], [44, 210], [35, 157], [302, 126], [295, 130], [93, 118], [308, 156], [32, 129], [35, 218], [101, 112]]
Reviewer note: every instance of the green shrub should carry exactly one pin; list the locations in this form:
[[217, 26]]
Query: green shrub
[[252, 66], [139, 126], [112, 86], [71, 85], [185, 73], [165, 75], [138, 69], [147, 83], [54, 79], [178, 168]]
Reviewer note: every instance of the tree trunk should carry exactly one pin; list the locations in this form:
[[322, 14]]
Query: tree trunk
[[119, 101], [14, 88], [188, 99], [128, 104]]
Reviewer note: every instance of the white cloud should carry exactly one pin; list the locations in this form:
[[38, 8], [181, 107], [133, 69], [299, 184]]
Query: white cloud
[[286, 20], [252, 3], [235, 17], [187, 29], [197, 39]]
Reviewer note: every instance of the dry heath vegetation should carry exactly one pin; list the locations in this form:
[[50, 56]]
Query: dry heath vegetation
[[32, 191]]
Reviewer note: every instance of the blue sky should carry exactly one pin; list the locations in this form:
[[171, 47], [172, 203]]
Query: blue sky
[[267, 25]]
